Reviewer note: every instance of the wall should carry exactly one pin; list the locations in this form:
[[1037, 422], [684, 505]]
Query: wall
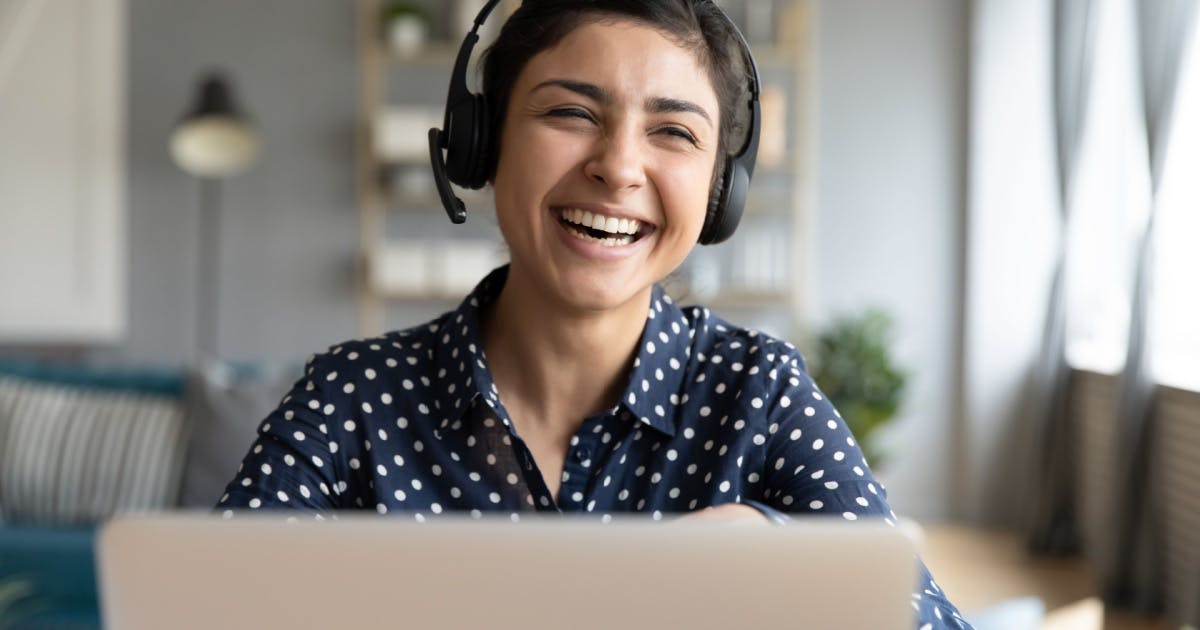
[[890, 169], [289, 227]]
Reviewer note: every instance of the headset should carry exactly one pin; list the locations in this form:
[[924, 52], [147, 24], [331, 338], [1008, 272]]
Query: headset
[[467, 139]]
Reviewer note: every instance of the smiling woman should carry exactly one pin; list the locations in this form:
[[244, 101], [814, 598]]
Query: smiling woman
[[616, 135]]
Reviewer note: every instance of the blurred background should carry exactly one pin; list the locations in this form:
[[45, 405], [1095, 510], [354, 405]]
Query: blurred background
[[977, 217]]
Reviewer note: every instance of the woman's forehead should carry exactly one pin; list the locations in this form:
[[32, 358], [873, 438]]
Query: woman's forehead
[[626, 58]]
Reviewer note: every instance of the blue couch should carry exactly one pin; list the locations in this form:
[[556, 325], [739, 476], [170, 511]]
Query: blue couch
[[53, 500]]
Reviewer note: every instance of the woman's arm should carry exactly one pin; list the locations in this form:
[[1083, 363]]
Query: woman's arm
[[292, 463], [815, 467]]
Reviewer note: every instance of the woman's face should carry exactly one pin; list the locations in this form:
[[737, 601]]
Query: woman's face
[[615, 127]]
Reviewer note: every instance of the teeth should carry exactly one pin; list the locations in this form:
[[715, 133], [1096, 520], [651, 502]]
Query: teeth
[[612, 225]]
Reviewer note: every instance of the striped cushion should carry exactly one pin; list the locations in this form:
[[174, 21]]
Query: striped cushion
[[71, 454]]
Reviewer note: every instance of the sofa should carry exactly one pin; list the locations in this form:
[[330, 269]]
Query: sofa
[[79, 444]]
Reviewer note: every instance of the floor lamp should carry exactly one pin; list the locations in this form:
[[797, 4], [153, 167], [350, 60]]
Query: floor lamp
[[213, 141]]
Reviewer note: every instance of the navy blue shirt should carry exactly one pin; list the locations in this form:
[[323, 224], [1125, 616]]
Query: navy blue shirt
[[411, 422]]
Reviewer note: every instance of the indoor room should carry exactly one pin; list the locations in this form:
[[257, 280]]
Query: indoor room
[[961, 232]]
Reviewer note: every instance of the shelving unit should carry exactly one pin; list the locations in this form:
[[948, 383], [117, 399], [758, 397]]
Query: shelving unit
[[758, 276]]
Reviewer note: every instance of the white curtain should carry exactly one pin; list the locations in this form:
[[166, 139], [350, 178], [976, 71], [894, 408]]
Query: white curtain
[[1013, 233], [1051, 519], [1164, 29]]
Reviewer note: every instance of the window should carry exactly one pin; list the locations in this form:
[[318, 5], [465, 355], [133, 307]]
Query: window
[[1175, 299]]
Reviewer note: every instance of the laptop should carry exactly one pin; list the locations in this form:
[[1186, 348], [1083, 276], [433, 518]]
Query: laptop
[[269, 571]]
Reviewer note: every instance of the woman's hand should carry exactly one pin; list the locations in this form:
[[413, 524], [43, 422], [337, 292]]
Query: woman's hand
[[729, 513]]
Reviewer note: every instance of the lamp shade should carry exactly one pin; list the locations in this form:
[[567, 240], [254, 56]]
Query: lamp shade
[[214, 140]]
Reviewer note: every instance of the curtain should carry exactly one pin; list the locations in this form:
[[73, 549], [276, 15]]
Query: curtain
[[1050, 522], [1163, 29]]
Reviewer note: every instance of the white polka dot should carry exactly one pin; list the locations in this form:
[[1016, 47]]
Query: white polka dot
[[512, 479], [255, 502], [816, 505], [348, 425], [672, 455], [850, 516], [756, 402], [810, 412], [266, 469], [861, 501], [282, 496], [298, 436], [724, 487], [494, 497], [817, 444]]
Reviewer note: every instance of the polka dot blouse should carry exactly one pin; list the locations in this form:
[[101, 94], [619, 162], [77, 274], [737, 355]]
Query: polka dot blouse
[[411, 423]]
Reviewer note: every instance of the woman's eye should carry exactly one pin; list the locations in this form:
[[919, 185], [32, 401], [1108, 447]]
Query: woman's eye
[[569, 112], [679, 133]]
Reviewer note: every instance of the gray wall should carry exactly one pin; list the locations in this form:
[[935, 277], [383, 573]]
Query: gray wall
[[890, 172], [289, 225]]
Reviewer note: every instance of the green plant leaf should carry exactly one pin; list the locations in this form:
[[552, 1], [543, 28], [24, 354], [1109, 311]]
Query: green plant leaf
[[853, 366]]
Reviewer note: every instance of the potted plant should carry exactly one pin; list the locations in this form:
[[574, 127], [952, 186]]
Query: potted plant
[[405, 27], [854, 368]]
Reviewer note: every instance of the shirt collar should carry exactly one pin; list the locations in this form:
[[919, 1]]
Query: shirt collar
[[659, 368], [459, 358], [651, 394]]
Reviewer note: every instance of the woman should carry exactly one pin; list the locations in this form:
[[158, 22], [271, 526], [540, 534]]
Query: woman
[[568, 381]]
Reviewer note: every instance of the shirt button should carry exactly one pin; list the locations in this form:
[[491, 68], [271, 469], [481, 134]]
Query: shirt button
[[582, 454]]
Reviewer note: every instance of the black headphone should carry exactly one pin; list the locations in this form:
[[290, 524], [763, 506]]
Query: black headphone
[[467, 139]]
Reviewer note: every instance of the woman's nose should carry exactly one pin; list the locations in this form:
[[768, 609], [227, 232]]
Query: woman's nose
[[618, 162]]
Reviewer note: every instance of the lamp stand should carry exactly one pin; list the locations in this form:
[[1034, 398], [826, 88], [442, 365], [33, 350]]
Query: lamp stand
[[208, 270]]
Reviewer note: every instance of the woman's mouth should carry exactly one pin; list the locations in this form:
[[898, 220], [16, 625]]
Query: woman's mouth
[[597, 228]]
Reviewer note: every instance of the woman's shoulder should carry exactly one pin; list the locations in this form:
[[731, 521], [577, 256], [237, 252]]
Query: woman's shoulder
[[717, 340], [399, 348]]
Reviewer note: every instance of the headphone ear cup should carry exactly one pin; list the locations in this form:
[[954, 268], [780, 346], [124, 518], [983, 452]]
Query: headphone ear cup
[[724, 215], [712, 214], [459, 141], [481, 144]]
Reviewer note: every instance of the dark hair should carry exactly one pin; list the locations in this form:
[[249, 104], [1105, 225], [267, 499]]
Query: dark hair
[[698, 25]]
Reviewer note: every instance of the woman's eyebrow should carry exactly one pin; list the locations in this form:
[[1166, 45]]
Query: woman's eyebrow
[[655, 105], [663, 105]]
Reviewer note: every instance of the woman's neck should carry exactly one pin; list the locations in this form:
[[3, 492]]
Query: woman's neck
[[554, 365]]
